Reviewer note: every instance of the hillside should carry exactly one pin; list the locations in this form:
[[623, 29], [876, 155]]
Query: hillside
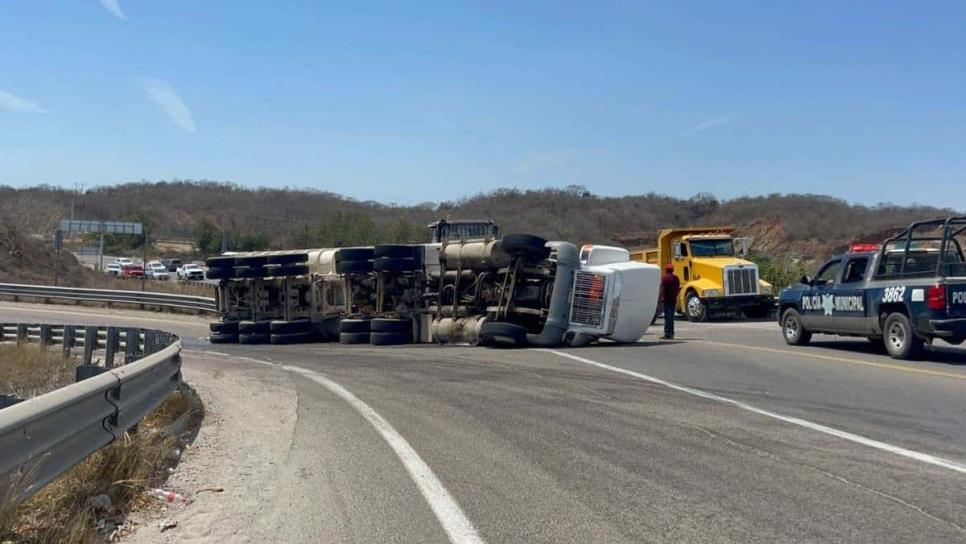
[[800, 227]]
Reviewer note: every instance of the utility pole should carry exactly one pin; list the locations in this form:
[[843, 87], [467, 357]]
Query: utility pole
[[58, 245], [144, 263]]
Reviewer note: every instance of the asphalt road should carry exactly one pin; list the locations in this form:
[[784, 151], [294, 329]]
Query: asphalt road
[[725, 435]]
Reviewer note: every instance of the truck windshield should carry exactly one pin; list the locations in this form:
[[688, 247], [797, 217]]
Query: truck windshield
[[712, 248]]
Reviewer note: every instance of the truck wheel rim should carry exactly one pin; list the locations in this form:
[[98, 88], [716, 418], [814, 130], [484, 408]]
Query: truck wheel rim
[[897, 336], [694, 306], [791, 327]]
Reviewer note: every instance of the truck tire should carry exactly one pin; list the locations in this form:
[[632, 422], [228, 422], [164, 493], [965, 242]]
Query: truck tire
[[355, 325], [353, 254], [390, 338], [254, 327], [292, 338], [220, 262], [389, 264], [254, 338], [223, 338], [287, 270], [794, 333], [260, 260], [900, 338], [395, 251], [527, 246], [381, 324], [249, 272], [290, 327], [502, 335], [230, 326], [354, 338], [289, 258], [219, 273], [353, 267], [694, 309]]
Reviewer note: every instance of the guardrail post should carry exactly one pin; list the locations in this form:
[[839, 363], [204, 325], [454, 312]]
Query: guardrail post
[[110, 347], [21, 333], [45, 335], [83, 372], [69, 340], [132, 347], [90, 343]]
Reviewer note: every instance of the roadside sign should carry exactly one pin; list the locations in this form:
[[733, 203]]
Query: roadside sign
[[115, 227]]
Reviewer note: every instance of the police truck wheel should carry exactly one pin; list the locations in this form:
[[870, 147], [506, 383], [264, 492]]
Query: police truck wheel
[[694, 309], [900, 340], [793, 331]]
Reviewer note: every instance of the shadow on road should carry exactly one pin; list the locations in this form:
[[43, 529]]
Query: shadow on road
[[937, 354]]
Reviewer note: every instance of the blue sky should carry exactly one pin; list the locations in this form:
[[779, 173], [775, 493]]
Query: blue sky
[[410, 102]]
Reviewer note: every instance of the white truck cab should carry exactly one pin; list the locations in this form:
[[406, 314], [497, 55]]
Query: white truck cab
[[612, 297]]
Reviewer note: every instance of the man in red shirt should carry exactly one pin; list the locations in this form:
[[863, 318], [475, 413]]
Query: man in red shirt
[[668, 297]]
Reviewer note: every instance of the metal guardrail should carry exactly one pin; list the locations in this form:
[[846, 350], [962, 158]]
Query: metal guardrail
[[43, 437], [168, 300]]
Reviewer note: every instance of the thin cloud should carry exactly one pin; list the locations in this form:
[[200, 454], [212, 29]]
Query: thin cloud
[[114, 9], [171, 104], [711, 123], [13, 102]]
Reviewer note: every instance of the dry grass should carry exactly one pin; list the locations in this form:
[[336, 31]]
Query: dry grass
[[29, 370], [124, 470]]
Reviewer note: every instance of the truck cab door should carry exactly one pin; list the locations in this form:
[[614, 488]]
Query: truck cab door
[[818, 302], [849, 304]]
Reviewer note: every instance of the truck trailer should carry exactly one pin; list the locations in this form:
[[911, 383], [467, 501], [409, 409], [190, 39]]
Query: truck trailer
[[519, 290]]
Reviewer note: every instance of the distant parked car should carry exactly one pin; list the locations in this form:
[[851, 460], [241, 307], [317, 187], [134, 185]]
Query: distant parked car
[[113, 269], [171, 264], [123, 261], [157, 271], [132, 271], [191, 272]]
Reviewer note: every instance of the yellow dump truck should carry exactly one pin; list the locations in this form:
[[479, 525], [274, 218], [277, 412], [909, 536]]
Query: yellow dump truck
[[714, 278]]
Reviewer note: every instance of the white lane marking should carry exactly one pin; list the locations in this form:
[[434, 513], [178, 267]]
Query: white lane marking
[[69, 310], [858, 439], [455, 523]]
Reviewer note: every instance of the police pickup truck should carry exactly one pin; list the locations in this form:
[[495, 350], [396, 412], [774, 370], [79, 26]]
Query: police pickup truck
[[905, 293]]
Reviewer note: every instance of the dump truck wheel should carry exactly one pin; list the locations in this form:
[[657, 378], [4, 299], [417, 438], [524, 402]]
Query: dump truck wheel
[[388, 264], [219, 273], [293, 338], [694, 309], [290, 258], [353, 254], [381, 324], [254, 327], [527, 246], [395, 251], [220, 262]]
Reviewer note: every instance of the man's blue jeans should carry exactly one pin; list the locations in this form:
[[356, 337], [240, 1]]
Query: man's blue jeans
[[669, 320]]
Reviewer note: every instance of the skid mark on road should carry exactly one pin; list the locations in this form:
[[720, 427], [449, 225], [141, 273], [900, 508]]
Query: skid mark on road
[[858, 439], [834, 359], [454, 522]]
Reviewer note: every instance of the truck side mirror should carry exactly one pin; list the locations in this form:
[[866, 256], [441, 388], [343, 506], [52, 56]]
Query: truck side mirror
[[677, 251], [806, 280]]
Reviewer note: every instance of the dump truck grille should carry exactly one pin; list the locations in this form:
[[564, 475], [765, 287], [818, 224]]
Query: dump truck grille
[[741, 281], [590, 299]]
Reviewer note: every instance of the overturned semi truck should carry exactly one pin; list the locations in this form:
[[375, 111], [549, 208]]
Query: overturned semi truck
[[519, 290]]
